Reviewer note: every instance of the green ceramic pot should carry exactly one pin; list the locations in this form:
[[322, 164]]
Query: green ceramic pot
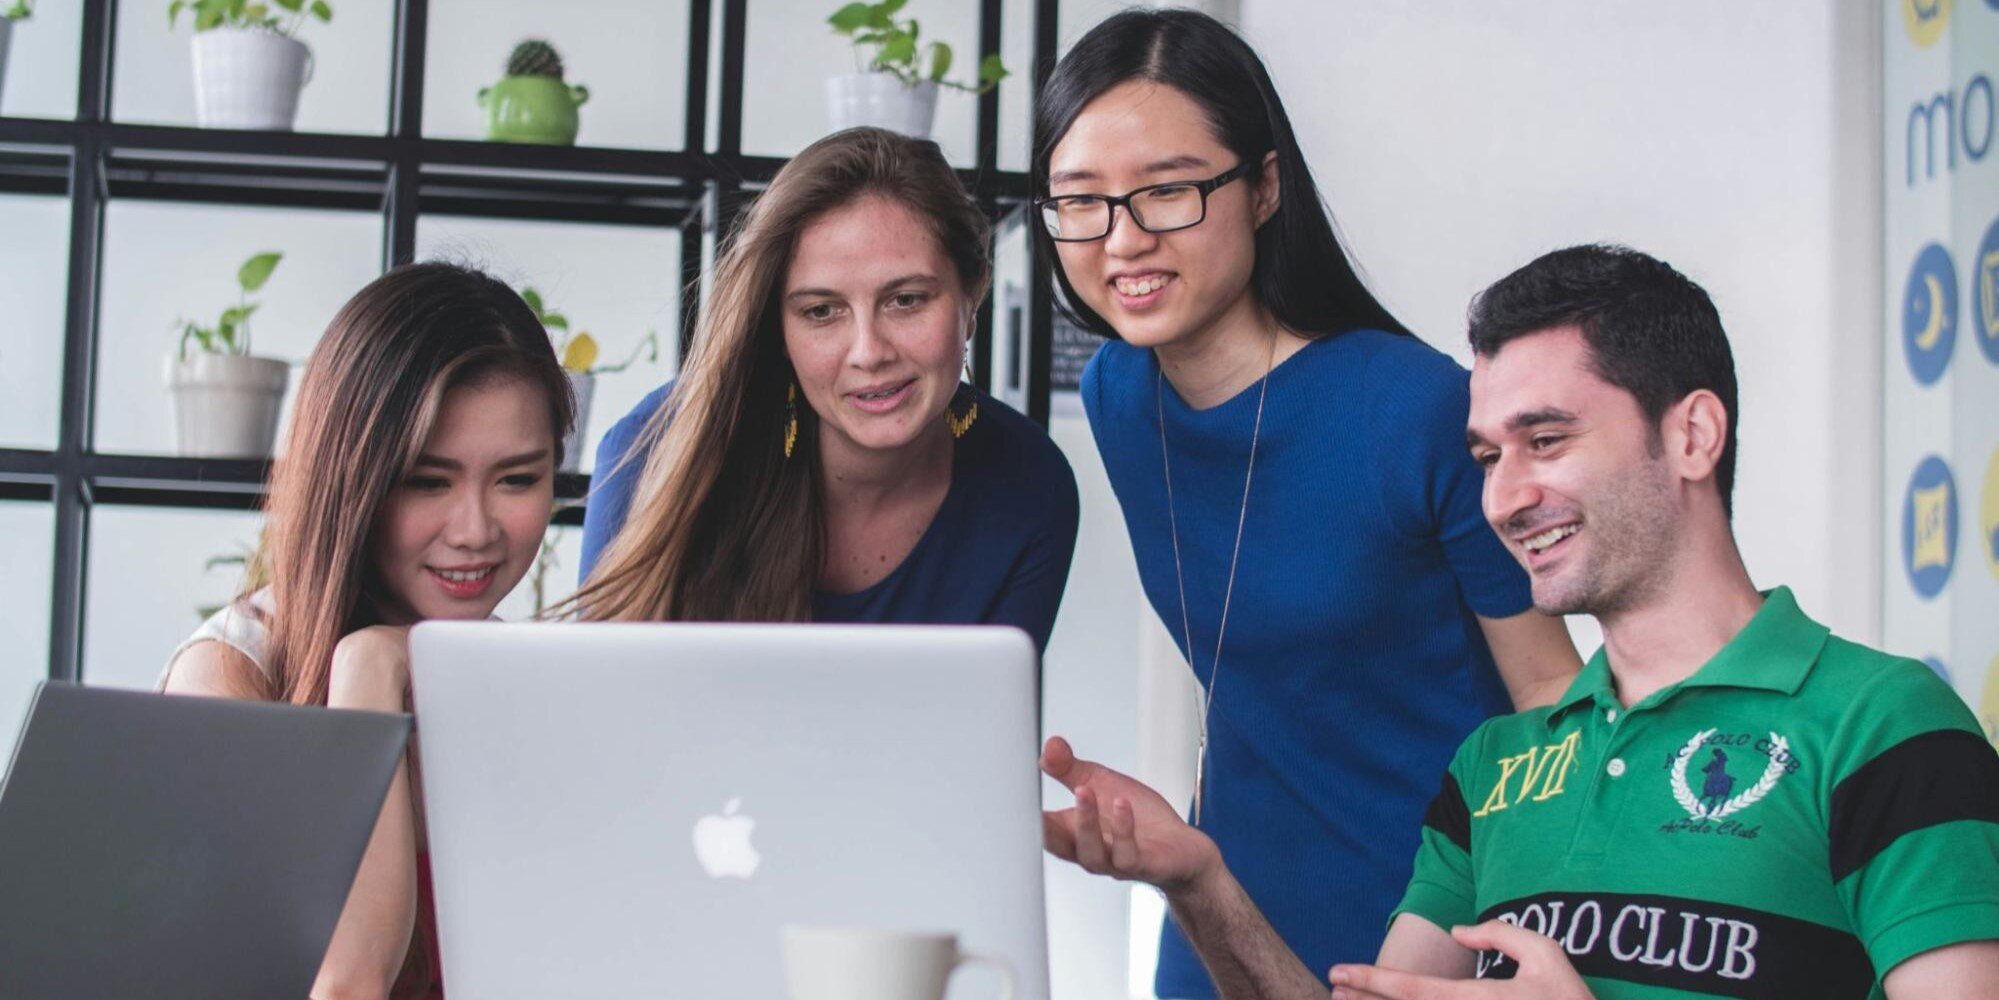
[[538, 109]]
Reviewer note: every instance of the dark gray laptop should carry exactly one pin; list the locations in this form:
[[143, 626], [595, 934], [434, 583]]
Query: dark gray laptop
[[165, 846]]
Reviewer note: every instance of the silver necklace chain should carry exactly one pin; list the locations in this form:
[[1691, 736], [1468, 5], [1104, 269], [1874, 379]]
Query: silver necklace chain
[[1180, 577]]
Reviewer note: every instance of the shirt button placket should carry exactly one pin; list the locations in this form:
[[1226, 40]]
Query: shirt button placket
[[1607, 791]]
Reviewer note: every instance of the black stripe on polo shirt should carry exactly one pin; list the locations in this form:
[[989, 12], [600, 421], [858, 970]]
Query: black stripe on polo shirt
[[1449, 815], [1935, 777], [1689, 944]]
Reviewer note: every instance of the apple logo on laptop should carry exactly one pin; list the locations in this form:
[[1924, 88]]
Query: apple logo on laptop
[[722, 843]]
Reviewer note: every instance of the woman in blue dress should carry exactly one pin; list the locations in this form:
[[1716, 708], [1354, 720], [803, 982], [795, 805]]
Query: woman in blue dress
[[819, 459], [1292, 467]]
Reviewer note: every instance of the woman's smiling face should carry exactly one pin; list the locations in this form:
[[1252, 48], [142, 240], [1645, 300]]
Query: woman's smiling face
[[1158, 288], [875, 323]]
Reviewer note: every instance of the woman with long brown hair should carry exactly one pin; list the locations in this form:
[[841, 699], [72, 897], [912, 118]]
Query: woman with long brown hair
[[819, 458], [417, 482]]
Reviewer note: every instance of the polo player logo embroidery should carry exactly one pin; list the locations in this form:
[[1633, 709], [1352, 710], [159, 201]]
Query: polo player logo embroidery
[[1719, 783], [1716, 800]]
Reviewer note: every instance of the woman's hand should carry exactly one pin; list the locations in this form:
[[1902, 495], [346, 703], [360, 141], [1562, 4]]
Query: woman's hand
[[371, 670]]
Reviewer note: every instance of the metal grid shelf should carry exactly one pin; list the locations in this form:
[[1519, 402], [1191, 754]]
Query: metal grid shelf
[[92, 160]]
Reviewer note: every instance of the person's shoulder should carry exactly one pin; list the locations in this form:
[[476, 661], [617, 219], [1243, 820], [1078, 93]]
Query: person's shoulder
[[619, 437], [629, 425], [1859, 680], [1514, 732], [1111, 378], [226, 655], [209, 665], [1406, 365], [1018, 458]]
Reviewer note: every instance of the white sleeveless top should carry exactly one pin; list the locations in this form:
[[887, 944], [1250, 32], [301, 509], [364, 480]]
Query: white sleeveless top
[[240, 625]]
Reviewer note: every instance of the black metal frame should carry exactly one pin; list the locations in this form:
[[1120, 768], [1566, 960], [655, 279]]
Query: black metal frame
[[399, 174]]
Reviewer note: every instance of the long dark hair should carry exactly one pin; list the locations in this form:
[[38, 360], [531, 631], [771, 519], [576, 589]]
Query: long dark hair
[[1303, 274], [723, 526], [371, 393]]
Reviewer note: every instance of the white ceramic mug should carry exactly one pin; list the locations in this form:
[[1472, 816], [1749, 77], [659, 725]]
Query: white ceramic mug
[[866, 963]]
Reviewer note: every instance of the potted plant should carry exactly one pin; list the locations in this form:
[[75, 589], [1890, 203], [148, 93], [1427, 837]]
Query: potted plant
[[531, 103], [20, 10], [225, 402], [578, 352], [897, 90], [249, 65]]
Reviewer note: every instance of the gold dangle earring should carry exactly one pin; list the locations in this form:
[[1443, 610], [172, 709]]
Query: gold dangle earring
[[960, 424], [790, 418]]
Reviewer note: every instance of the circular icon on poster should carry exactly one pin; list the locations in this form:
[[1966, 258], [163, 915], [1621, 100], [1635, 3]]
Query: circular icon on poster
[[1929, 527], [1988, 703], [1926, 20], [1929, 314], [1985, 290], [1988, 514]]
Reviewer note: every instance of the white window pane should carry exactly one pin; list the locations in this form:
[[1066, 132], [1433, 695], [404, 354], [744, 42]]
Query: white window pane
[[347, 90], [791, 51], [616, 282], [34, 277], [149, 585], [1016, 108], [165, 260], [629, 54], [42, 63], [27, 549]]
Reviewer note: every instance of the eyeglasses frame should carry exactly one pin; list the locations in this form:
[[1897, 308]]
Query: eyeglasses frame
[[1204, 188]]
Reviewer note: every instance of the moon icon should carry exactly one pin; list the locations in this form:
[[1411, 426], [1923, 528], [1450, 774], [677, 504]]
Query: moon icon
[[1934, 331]]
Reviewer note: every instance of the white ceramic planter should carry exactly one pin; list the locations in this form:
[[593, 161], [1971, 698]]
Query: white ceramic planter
[[248, 79], [6, 36], [226, 405], [582, 387], [880, 99]]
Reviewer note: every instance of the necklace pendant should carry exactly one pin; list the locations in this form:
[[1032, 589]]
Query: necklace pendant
[[1200, 778]]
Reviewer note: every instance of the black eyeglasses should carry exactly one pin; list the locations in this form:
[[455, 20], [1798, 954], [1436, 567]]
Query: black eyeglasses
[[1155, 208]]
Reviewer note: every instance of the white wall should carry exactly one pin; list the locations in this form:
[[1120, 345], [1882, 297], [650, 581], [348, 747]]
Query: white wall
[[1457, 139]]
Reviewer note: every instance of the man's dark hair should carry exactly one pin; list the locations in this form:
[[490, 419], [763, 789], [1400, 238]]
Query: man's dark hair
[[1650, 330]]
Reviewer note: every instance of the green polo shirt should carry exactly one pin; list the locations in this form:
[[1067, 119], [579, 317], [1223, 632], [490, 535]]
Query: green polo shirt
[[1793, 820]]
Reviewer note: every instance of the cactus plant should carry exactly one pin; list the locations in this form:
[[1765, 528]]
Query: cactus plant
[[535, 57]]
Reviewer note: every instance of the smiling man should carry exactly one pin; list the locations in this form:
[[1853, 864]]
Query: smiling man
[[1728, 801]]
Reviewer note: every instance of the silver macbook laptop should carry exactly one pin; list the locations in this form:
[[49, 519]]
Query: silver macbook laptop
[[162, 846], [636, 810]]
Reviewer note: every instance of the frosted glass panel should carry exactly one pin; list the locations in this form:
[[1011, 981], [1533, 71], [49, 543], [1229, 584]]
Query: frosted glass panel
[[163, 261], [791, 52], [42, 63], [27, 550], [616, 282], [347, 91], [630, 54], [34, 272], [149, 585]]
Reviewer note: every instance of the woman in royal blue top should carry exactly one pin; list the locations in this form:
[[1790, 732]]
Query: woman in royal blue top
[[818, 458], [1293, 472]]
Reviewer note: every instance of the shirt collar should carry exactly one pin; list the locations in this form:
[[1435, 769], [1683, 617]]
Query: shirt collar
[[1774, 652]]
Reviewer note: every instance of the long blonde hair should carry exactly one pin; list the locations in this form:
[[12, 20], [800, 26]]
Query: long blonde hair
[[723, 527]]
